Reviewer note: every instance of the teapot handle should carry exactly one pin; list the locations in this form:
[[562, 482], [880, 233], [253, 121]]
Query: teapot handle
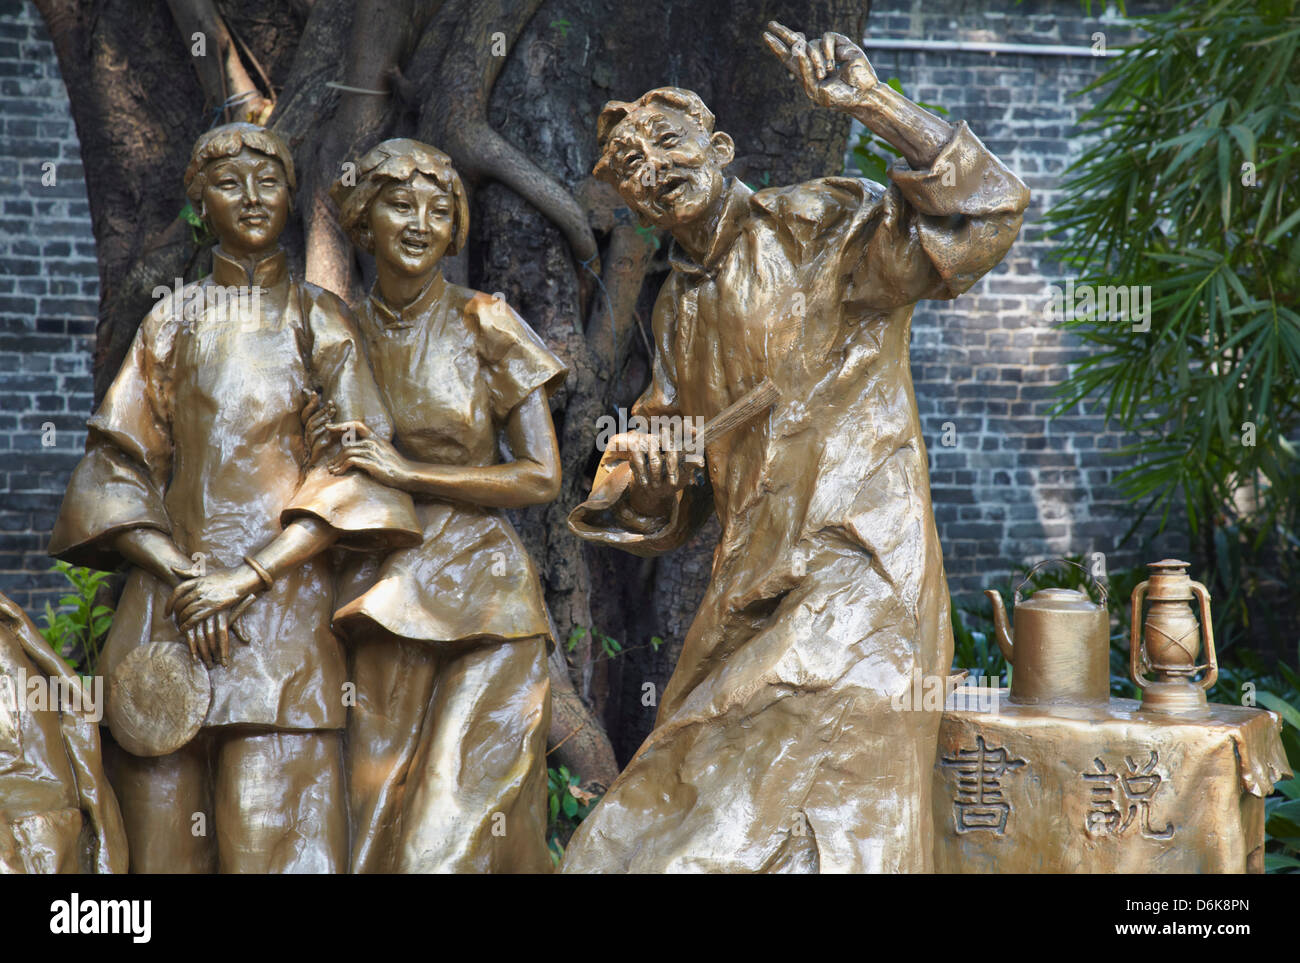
[[1100, 586]]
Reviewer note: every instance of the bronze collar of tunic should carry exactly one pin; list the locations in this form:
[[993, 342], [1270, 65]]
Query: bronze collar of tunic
[[735, 208], [264, 273], [405, 317]]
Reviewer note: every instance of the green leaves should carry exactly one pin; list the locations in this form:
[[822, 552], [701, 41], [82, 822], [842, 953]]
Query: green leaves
[[1187, 188], [1288, 712], [1284, 821], [610, 647], [190, 216], [870, 164], [577, 635], [649, 235], [76, 631], [199, 232], [974, 649], [567, 805]]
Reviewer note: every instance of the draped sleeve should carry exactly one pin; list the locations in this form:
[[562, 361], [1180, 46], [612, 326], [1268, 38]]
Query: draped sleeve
[[935, 232], [930, 235], [515, 361], [367, 514], [120, 482]]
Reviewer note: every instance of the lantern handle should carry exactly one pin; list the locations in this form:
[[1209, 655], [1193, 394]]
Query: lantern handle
[[1207, 631], [1134, 638]]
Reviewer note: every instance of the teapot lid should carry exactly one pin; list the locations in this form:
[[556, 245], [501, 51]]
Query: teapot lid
[[1060, 600]]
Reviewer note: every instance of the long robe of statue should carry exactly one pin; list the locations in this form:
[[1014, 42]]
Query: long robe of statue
[[776, 745]]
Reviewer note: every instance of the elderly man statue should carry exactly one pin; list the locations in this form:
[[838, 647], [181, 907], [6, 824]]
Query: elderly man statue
[[785, 740]]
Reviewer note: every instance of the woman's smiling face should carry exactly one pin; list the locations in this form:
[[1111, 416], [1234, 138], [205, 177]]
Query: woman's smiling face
[[412, 223], [246, 201]]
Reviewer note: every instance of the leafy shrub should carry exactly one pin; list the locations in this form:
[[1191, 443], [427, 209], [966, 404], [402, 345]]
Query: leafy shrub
[[76, 631], [567, 805]]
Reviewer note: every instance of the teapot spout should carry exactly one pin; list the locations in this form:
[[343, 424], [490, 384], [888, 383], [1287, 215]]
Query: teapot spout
[[1001, 627]]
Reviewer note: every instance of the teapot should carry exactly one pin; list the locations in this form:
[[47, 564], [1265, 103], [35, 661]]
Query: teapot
[[1061, 647]]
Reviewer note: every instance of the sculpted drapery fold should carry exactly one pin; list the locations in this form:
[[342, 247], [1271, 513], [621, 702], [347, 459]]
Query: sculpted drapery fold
[[200, 437], [776, 745]]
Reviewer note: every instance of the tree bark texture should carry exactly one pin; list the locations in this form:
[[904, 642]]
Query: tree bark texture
[[511, 90]]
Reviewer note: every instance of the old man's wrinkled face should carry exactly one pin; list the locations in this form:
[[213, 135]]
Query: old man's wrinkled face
[[665, 165], [412, 223], [246, 201]]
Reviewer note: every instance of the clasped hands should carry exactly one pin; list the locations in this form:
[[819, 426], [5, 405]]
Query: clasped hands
[[359, 447], [206, 604], [202, 607]]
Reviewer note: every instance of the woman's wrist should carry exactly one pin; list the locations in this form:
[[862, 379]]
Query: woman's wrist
[[262, 579], [408, 472], [420, 478], [154, 551]]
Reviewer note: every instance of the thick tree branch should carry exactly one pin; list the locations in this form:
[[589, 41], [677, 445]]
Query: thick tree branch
[[611, 319], [455, 114], [380, 37], [222, 75]]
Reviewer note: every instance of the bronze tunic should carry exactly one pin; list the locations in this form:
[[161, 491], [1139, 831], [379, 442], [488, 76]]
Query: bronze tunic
[[200, 436], [447, 740], [776, 745], [451, 367]]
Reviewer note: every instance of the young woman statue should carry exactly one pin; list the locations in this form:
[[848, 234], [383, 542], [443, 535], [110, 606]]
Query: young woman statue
[[449, 639], [196, 477]]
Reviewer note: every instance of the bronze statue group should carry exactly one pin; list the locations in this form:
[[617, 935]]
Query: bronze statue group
[[310, 501]]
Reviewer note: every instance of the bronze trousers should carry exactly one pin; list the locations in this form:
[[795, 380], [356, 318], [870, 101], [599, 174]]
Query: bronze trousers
[[236, 801], [446, 752]]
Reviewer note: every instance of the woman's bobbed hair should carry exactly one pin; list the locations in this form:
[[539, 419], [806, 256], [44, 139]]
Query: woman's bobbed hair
[[227, 141], [397, 160]]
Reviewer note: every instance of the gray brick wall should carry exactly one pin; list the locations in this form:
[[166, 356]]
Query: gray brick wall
[[49, 296], [1015, 487]]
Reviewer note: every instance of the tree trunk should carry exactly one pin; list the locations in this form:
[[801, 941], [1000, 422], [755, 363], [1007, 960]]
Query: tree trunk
[[511, 90]]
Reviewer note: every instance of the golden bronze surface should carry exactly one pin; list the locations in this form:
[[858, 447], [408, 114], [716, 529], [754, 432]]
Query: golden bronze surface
[[1170, 640], [1061, 646], [777, 746], [609, 486], [160, 696], [446, 741], [57, 811], [331, 650], [1103, 789], [196, 458]]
